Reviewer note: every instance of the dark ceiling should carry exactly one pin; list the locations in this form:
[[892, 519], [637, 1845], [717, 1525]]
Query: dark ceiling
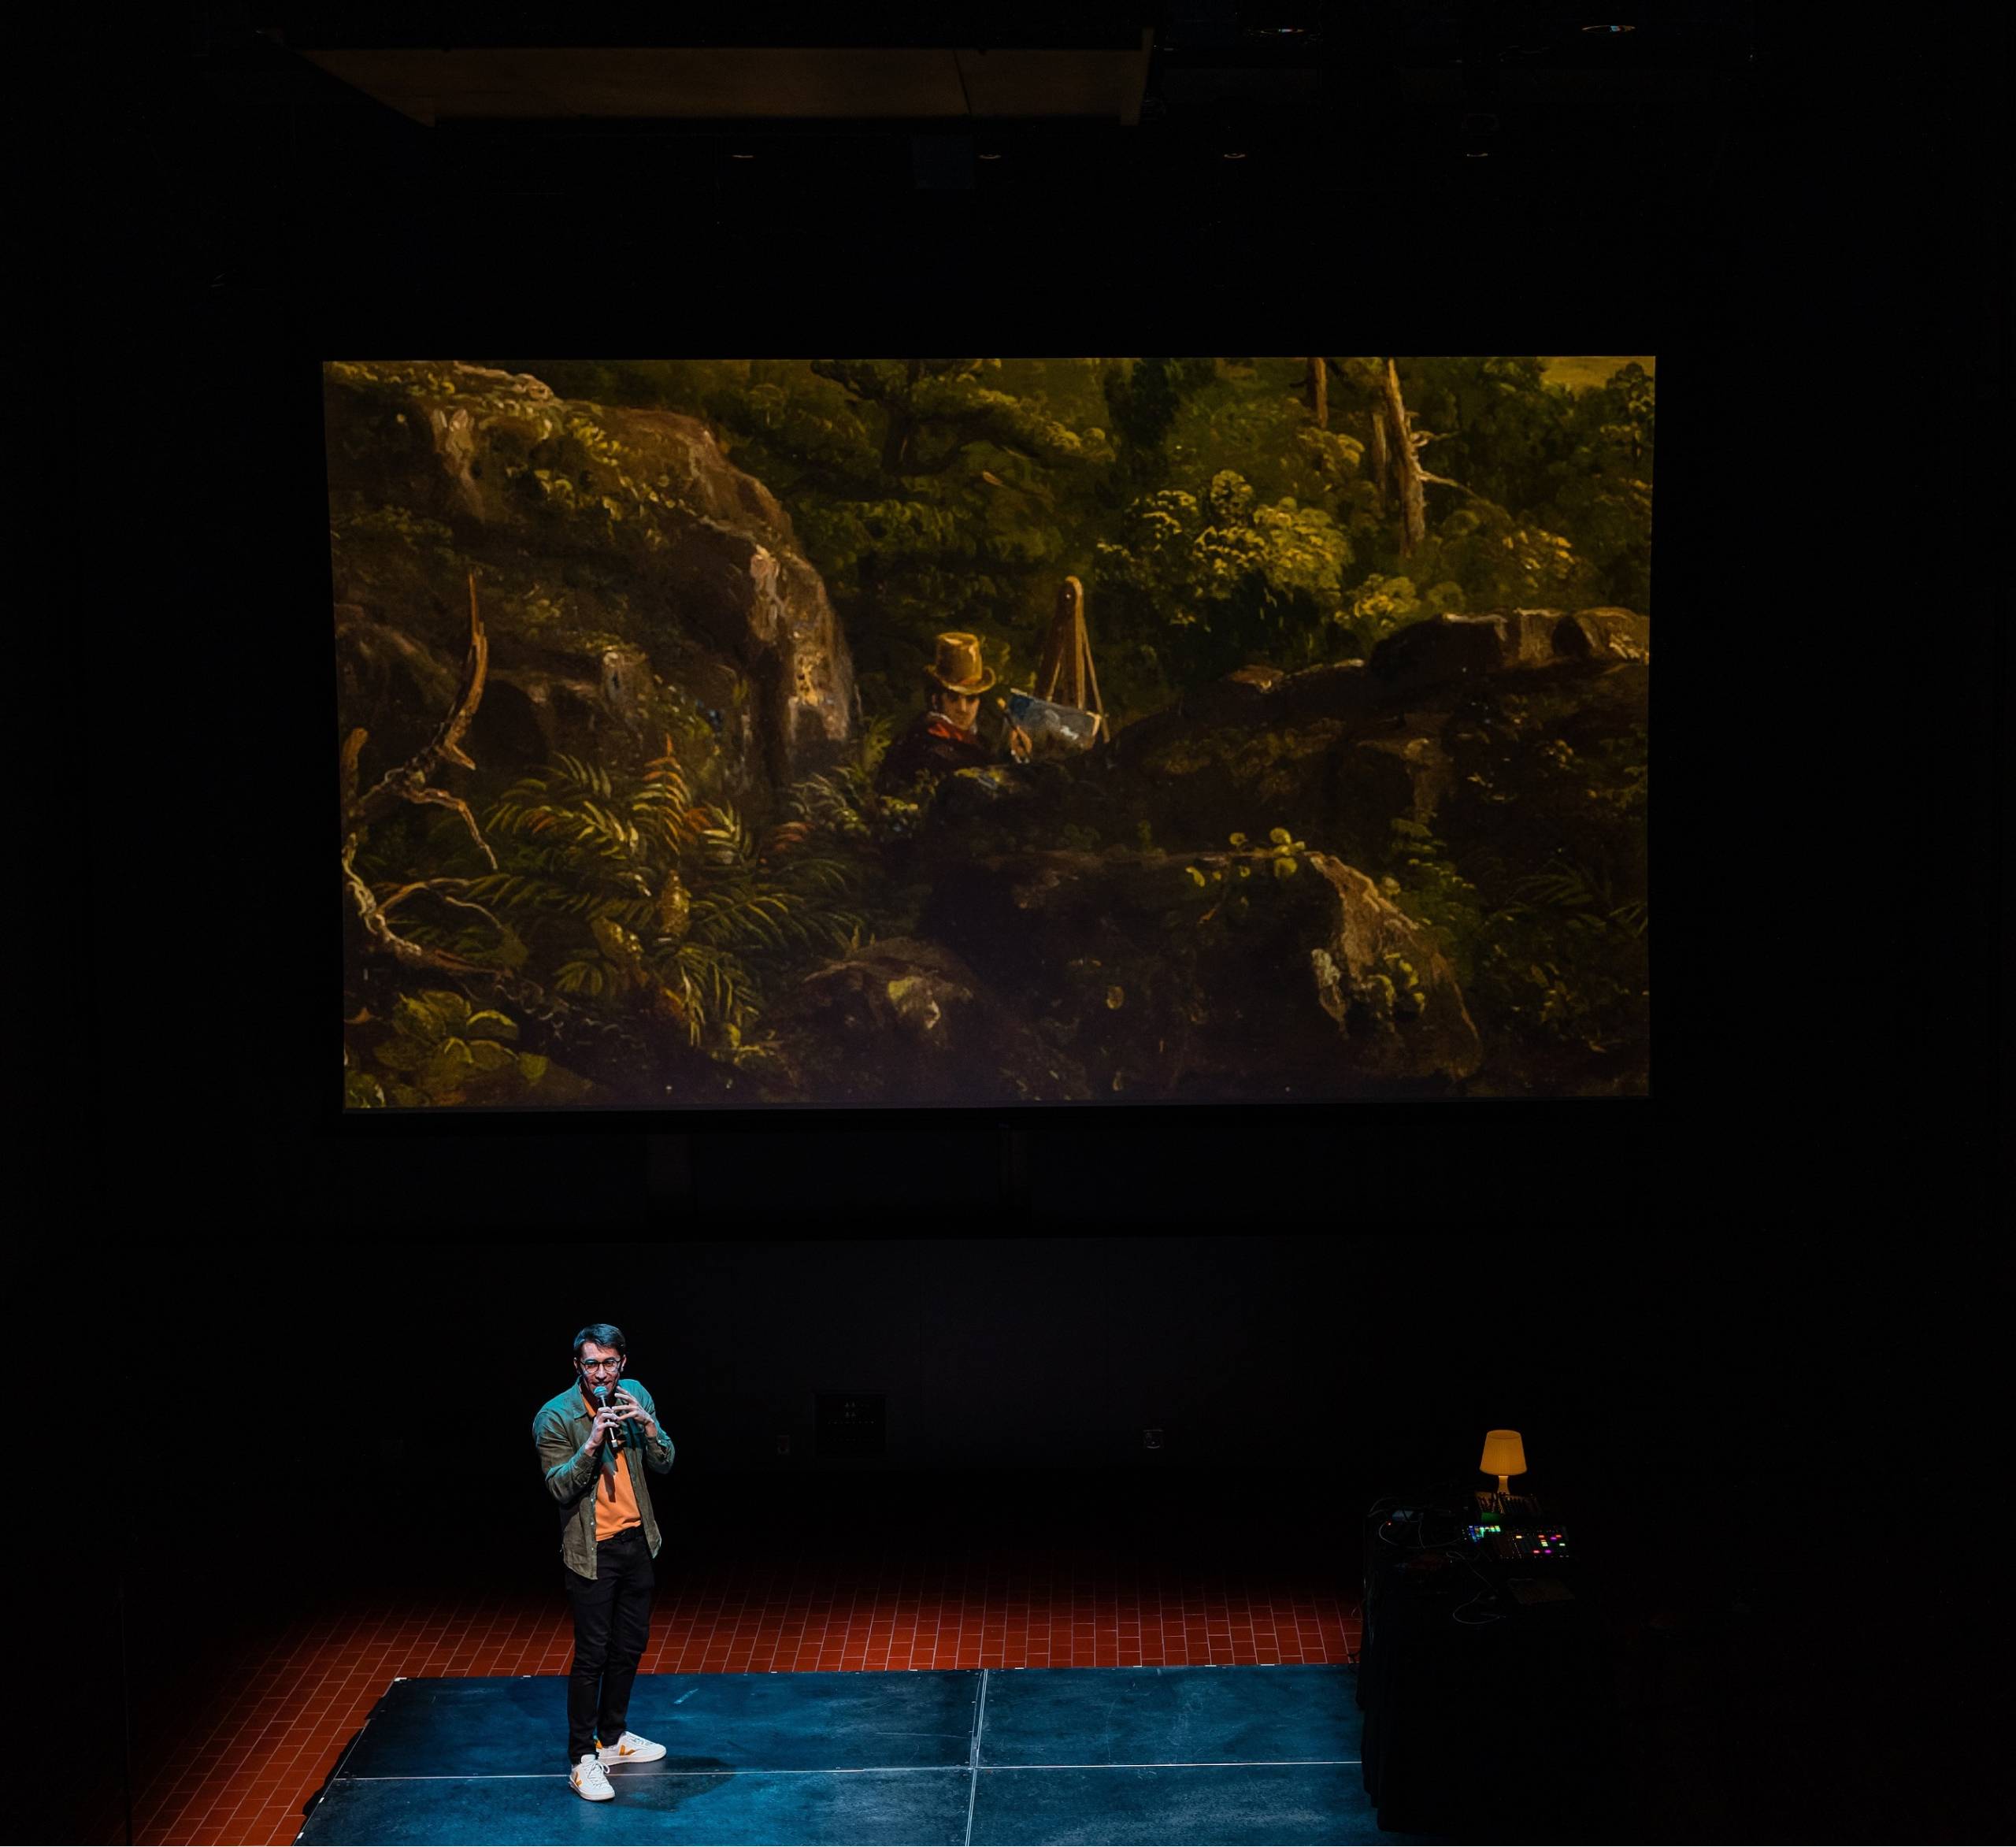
[[1549, 143]]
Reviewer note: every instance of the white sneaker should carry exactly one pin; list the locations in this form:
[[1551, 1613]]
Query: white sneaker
[[589, 1780], [630, 1748]]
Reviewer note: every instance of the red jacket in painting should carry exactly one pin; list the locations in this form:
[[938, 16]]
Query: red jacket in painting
[[933, 747]]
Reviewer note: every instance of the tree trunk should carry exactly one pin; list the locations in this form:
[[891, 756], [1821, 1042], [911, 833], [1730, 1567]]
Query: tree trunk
[[1382, 465], [1319, 393], [1414, 516], [896, 440], [902, 424]]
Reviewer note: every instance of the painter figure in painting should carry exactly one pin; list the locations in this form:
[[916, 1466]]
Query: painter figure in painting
[[947, 734], [591, 1440]]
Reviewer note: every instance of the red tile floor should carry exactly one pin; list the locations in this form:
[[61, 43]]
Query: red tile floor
[[242, 1766]]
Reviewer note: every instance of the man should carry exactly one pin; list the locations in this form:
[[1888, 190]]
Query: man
[[946, 735], [589, 1439]]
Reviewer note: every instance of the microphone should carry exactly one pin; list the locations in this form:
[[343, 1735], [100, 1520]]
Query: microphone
[[615, 1431], [607, 1394]]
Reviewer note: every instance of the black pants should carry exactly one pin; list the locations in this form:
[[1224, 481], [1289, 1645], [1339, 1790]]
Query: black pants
[[612, 1623]]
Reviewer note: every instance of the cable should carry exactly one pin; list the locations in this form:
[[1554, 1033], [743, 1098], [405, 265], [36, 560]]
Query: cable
[[1457, 1615], [1459, 1549]]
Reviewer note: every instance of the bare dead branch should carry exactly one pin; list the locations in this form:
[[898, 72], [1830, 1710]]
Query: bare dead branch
[[444, 889], [447, 742], [1444, 481], [371, 915], [441, 798], [408, 781], [603, 1050], [1413, 522], [353, 748]]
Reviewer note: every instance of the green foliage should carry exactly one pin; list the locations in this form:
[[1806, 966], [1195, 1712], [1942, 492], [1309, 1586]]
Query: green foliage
[[1379, 605], [1562, 964], [640, 895], [1438, 895], [1221, 579], [935, 494], [1552, 466], [435, 1049], [1490, 561], [1229, 890], [1390, 993], [1142, 401]]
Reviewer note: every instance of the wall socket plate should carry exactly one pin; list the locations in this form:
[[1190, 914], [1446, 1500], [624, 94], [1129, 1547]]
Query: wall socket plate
[[1151, 1438]]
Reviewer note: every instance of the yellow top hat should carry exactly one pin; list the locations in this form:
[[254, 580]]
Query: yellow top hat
[[958, 668]]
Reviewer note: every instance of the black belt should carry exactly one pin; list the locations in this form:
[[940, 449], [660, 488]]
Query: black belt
[[627, 1533]]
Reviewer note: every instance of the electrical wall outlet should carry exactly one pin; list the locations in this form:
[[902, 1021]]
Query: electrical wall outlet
[[784, 1445], [1151, 1439]]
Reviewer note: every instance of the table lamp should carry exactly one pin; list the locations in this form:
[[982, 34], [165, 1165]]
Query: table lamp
[[1504, 1455]]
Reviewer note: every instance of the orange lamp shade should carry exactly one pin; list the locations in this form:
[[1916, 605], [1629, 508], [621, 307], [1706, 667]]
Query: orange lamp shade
[[1503, 1453]]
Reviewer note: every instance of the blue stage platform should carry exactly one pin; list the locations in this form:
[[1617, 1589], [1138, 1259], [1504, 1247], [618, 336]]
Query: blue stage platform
[[1174, 1755]]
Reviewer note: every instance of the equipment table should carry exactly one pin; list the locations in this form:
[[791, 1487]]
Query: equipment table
[[1483, 1678]]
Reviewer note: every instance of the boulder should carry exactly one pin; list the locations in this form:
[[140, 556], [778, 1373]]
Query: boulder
[[905, 1021], [615, 550], [1530, 637], [1451, 648], [977, 796], [1238, 698], [1254, 696], [1605, 635], [1215, 976], [1387, 778], [1340, 689], [1339, 752], [1197, 785], [1445, 648]]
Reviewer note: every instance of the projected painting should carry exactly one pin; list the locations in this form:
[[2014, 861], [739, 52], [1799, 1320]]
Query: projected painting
[[834, 733]]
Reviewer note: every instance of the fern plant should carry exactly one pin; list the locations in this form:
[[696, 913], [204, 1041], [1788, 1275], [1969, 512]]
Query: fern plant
[[1561, 960], [636, 893], [1582, 891]]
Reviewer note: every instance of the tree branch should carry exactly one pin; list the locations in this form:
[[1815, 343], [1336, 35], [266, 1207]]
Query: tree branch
[[597, 1048], [439, 888], [346, 767], [441, 798], [608, 1051], [408, 781], [1444, 481]]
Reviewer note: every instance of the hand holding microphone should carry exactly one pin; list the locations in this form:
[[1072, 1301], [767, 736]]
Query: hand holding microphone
[[613, 1411], [608, 1417], [627, 1410]]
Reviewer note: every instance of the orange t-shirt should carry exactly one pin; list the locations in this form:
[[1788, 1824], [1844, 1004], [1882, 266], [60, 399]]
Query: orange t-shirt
[[616, 1500]]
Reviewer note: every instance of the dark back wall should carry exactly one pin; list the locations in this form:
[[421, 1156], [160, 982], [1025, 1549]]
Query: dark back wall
[[358, 1371]]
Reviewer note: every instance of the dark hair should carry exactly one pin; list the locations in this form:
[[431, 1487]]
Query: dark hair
[[604, 1334]]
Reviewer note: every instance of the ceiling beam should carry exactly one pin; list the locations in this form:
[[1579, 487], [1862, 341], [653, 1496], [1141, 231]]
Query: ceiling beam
[[725, 83]]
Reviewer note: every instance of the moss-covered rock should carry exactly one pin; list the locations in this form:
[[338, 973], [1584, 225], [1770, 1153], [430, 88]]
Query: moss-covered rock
[[1268, 972], [907, 1022], [633, 582]]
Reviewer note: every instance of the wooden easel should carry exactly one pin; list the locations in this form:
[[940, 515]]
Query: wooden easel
[[1067, 676]]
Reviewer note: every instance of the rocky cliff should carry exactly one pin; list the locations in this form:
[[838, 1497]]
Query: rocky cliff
[[632, 580]]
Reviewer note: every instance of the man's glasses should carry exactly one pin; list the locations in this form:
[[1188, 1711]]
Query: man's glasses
[[602, 1365]]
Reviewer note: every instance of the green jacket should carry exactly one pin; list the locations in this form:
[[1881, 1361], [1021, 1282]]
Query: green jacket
[[561, 1433]]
